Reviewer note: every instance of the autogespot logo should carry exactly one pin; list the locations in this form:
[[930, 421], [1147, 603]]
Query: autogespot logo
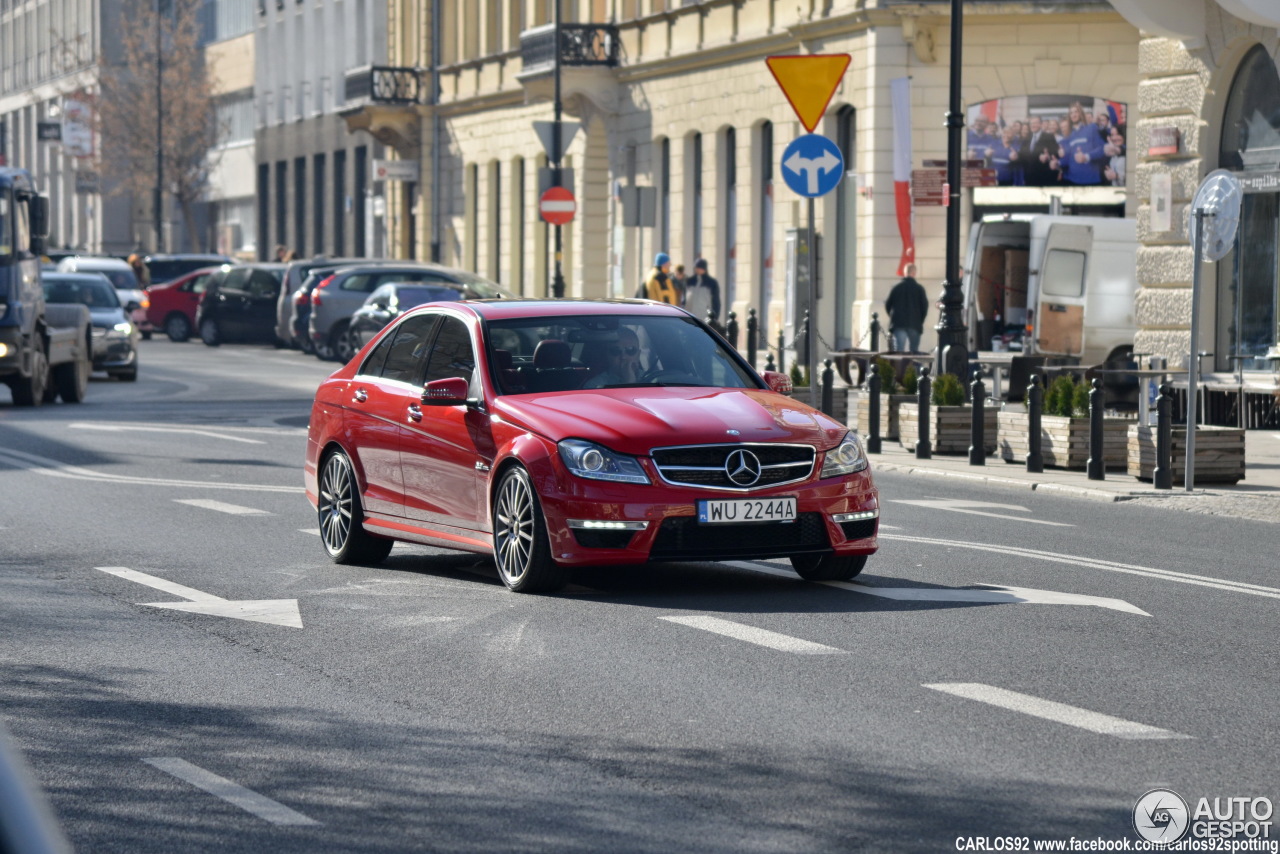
[[1161, 815]]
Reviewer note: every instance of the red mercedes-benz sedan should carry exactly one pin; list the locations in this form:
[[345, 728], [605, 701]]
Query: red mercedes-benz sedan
[[553, 434]]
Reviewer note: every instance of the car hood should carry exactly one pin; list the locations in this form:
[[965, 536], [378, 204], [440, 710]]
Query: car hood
[[107, 317], [634, 420]]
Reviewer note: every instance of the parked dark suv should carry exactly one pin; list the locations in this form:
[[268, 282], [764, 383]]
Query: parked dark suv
[[240, 305]]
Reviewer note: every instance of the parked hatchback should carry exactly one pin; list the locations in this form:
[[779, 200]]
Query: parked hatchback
[[240, 305], [554, 434], [336, 299], [173, 304], [115, 338]]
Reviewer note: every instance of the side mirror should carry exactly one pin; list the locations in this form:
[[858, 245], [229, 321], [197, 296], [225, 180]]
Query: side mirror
[[446, 392], [38, 207], [781, 383], [132, 306]]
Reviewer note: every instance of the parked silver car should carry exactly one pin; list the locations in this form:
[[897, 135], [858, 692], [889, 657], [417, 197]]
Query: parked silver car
[[296, 275], [336, 299]]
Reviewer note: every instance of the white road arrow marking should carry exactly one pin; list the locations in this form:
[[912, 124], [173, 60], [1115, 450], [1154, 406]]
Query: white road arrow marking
[[277, 612], [813, 168], [1051, 711], [221, 506], [134, 428], [751, 634], [53, 468], [989, 594], [956, 505], [233, 793]]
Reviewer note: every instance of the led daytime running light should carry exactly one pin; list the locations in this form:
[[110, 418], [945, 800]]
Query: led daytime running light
[[605, 525], [854, 517]]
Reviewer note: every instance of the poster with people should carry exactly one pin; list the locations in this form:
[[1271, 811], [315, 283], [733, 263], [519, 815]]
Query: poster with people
[[1050, 140]]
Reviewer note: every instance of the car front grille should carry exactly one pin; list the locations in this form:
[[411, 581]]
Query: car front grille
[[859, 530], [684, 538], [705, 465]]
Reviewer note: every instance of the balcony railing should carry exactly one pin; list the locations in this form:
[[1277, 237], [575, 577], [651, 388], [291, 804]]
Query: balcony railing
[[381, 84], [580, 44]]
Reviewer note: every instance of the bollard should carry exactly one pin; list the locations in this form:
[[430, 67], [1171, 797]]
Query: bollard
[[1096, 467], [768, 362], [753, 329], [978, 413], [1163, 475], [828, 386], [782, 359], [873, 406], [732, 330], [875, 332], [924, 390], [712, 320], [1035, 408], [802, 345]]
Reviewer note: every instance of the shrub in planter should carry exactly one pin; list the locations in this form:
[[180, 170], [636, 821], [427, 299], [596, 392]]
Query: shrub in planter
[[947, 391], [888, 376], [1064, 429], [891, 394], [799, 379], [950, 420], [910, 381]]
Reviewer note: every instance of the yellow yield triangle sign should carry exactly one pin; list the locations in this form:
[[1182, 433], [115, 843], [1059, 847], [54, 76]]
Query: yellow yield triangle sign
[[809, 82]]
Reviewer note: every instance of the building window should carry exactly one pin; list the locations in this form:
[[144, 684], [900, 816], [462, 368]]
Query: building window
[[360, 184], [339, 203], [694, 182], [1249, 279], [282, 198], [264, 209], [729, 181], [495, 221], [765, 248], [517, 226], [300, 206], [235, 119], [470, 218], [318, 202]]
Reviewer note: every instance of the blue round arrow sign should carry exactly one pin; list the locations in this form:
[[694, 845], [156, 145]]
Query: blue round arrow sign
[[812, 165]]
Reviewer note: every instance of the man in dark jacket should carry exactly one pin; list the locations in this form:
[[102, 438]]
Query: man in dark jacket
[[907, 305], [702, 292]]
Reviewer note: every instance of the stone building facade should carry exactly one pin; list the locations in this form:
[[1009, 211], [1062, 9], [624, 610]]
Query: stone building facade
[[691, 110]]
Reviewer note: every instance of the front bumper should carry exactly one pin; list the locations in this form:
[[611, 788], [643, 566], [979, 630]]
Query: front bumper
[[112, 353], [672, 530]]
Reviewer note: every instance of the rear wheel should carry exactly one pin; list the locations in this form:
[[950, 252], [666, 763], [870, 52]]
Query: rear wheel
[[128, 375], [520, 546], [177, 327], [341, 516], [340, 341], [30, 390], [72, 380], [209, 332], [828, 567]]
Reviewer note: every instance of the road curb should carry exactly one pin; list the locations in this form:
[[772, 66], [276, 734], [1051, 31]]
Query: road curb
[[1014, 483]]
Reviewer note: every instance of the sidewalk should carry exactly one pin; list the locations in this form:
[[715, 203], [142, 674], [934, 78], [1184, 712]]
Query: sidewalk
[[1256, 497]]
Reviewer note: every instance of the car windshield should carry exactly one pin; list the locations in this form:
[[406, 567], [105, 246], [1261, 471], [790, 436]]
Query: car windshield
[[86, 290], [167, 269], [560, 353]]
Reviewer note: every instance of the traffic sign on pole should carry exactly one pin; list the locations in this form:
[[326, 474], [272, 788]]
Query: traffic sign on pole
[[546, 135], [809, 82], [812, 165], [557, 206]]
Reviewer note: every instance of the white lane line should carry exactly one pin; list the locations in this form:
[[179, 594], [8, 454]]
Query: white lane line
[[766, 569], [233, 793], [1051, 711], [958, 506], [751, 634], [162, 584], [221, 506], [53, 468], [990, 594], [315, 532], [885, 527], [1107, 565], [132, 428]]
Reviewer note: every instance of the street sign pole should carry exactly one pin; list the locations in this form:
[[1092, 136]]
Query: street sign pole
[[557, 280], [811, 349]]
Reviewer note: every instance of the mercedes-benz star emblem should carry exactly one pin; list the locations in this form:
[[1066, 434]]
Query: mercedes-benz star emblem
[[742, 467]]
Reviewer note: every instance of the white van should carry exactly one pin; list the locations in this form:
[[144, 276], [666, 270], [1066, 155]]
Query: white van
[[1060, 286]]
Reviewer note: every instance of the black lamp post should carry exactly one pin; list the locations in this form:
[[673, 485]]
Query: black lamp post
[[557, 281], [953, 350]]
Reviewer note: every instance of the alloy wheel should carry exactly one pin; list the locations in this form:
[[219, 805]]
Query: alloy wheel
[[514, 529], [336, 494]]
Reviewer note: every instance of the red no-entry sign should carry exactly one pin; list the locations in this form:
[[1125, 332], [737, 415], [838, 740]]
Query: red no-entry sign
[[557, 206]]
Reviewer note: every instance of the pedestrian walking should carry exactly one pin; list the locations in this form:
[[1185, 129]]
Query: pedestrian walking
[[679, 280], [658, 285], [140, 270], [702, 292], [907, 306]]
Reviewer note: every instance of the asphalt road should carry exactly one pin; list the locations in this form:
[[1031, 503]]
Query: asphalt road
[[679, 707]]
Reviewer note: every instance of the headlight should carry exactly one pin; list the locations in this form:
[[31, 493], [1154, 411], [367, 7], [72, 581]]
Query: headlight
[[845, 458], [596, 462], [123, 328]]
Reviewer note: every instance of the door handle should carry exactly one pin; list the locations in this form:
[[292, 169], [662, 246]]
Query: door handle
[[360, 395], [415, 412]]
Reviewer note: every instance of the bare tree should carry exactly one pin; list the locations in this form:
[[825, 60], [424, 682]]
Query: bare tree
[[184, 114]]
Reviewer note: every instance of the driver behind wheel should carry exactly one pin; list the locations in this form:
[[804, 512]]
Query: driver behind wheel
[[615, 362]]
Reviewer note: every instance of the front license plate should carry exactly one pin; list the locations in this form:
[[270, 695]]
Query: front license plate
[[736, 511]]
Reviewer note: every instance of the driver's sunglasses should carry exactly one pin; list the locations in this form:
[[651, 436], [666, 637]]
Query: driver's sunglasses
[[619, 351]]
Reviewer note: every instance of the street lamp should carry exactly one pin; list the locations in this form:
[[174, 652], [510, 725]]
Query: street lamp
[[157, 200], [557, 281], [953, 350]]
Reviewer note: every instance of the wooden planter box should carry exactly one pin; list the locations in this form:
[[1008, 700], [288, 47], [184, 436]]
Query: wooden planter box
[[1219, 454], [949, 430], [1064, 442], [840, 399], [888, 414]]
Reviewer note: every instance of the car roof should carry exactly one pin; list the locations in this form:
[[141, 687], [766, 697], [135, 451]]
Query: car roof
[[511, 309], [95, 262], [189, 256], [63, 276]]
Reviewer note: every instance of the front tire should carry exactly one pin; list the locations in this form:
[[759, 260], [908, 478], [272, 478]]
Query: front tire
[[72, 380], [341, 516], [177, 327], [828, 567], [209, 332], [520, 546], [30, 390]]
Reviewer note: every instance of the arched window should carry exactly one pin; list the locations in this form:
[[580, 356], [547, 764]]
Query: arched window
[[1248, 281], [729, 181], [765, 242]]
